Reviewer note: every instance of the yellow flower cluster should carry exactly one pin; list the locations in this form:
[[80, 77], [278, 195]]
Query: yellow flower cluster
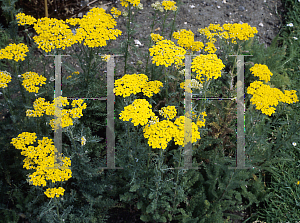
[[201, 123], [83, 140], [115, 12], [240, 31], [136, 83], [14, 52], [41, 158], [53, 33], [139, 112], [169, 5], [76, 72], [180, 133], [31, 79], [159, 134], [209, 65], [168, 112], [156, 37], [186, 40], [133, 2], [151, 87], [96, 27], [40, 107], [264, 96], [261, 71], [165, 52], [188, 84], [52, 192], [25, 19], [5, 78]]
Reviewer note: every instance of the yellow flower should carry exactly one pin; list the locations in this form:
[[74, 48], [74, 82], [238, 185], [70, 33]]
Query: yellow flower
[[40, 158], [115, 12], [159, 134], [151, 87], [23, 19], [298, 182], [169, 5], [133, 2], [168, 112], [52, 192], [31, 79], [179, 134], [14, 52], [240, 31], [130, 84], [156, 37], [261, 71], [139, 112], [5, 78], [76, 72], [40, 107], [96, 27], [165, 52], [186, 40], [209, 65]]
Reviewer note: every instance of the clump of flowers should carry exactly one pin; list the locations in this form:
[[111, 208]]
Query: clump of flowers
[[264, 96], [106, 58], [186, 40], [5, 78], [133, 2], [40, 107], [156, 37], [52, 192], [115, 12], [240, 31], [41, 158], [14, 52], [96, 27], [139, 112], [159, 134], [136, 83], [179, 134], [169, 5], [31, 79], [168, 112], [208, 65], [261, 71], [165, 52], [25, 19], [157, 6]]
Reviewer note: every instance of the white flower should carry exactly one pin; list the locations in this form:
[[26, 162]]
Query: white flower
[[295, 37], [294, 144], [290, 24]]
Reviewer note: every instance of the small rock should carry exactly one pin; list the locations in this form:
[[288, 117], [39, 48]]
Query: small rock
[[241, 8], [261, 24]]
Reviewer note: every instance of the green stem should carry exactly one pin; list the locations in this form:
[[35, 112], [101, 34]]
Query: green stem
[[177, 178], [163, 29], [166, 82], [150, 41], [7, 97], [172, 29], [128, 36], [19, 82]]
